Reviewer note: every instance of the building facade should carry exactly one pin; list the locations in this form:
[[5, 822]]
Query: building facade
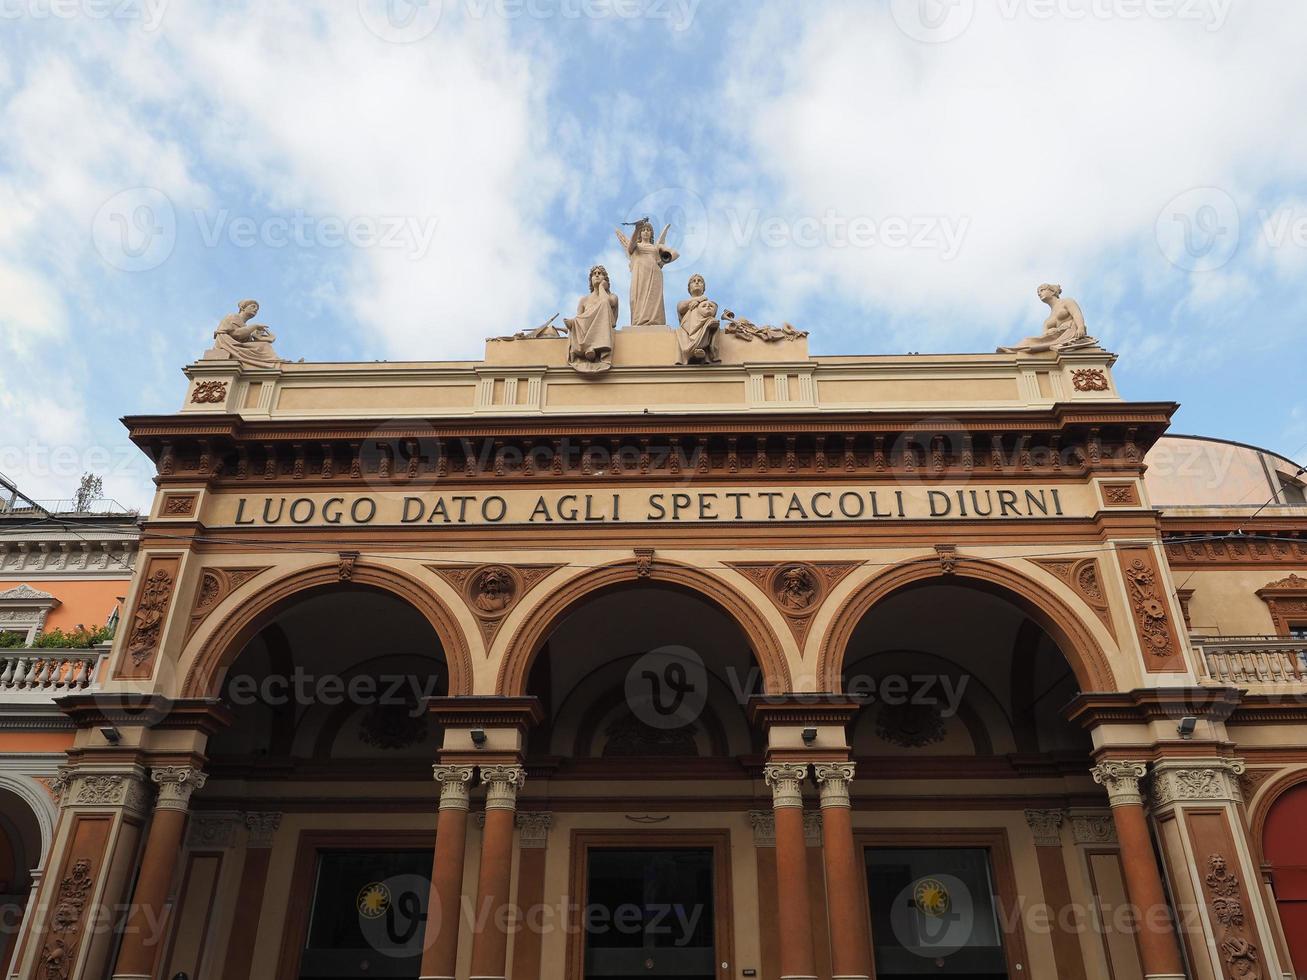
[[64, 574], [728, 661]]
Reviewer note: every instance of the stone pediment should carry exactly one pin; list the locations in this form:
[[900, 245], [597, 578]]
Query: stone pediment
[[26, 593]]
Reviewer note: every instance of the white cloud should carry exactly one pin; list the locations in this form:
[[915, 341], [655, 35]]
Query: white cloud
[[1058, 142]]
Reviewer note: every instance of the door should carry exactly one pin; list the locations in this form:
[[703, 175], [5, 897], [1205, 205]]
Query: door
[[933, 913], [368, 915], [650, 912]]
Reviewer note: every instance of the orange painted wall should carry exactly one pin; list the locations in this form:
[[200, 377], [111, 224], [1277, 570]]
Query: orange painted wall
[[85, 602]]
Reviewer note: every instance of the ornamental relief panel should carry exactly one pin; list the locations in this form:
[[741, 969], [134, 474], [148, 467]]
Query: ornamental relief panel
[[491, 591], [796, 589], [216, 584], [1158, 636], [1085, 578], [149, 615], [1214, 782], [1225, 898]]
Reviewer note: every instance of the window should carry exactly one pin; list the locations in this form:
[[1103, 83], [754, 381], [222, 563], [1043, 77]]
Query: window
[[1291, 491]]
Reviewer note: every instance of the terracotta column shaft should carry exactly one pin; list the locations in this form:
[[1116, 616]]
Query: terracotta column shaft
[[490, 923], [1159, 949], [440, 950], [798, 961], [146, 932], [850, 933]]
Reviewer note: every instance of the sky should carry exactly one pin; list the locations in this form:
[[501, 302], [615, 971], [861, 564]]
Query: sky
[[400, 179]]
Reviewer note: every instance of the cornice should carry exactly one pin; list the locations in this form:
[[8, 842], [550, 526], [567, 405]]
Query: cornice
[[206, 715], [1152, 704], [767, 711], [488, 711]]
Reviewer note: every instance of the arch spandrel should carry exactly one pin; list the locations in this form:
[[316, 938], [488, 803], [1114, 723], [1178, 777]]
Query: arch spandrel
[[537, 622], [216, 646], [1076, 630]]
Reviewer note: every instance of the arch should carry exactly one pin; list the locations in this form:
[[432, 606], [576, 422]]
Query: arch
[[1073, 637], [243, 623], [43, 808], [541, 621], [1265, 801]]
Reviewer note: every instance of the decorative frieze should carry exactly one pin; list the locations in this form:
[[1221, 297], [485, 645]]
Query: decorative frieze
[[502, 784], [1093, 828], [833, 779], [1187, 780], [1158, 636], [261, 828], [101, 788], [1121, 780], [455, 786], [1228, 551], [1046, 826], [214, 831], [533, 829], [176, 784], [786, 782]]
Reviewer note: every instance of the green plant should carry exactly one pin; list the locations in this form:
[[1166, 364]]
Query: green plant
[[78, 639], [11, 640]]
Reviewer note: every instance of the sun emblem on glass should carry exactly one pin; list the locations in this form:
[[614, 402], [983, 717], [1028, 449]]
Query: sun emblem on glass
[[931, 897], [373, 900]]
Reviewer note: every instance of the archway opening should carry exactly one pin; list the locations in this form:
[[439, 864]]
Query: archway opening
[[1286, 852], [641, 683], [20, 855], [961, 683], [335, 682]]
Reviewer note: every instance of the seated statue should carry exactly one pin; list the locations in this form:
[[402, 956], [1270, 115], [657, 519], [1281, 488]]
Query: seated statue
[[696, 337], [590, 332], [250, 343], [1063, 330]]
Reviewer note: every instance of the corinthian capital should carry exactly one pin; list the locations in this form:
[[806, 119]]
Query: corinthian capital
[[502, 784], [786, 782], [455, 785], [833, 779], [176, 784], [1121, 780]]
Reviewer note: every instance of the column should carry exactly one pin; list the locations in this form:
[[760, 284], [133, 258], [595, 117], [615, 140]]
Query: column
[[850, 932], [795, 913], [440, 949], [490, 930], [1159, 951], [144, 933], [1046, 828]]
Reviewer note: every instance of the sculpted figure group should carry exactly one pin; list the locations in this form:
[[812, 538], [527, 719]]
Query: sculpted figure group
[[701, 321]]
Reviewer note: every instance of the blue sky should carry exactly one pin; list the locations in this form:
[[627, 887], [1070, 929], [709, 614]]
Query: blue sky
[[400, 180]]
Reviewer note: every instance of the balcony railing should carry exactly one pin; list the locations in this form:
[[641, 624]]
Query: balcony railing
[[1254, 661], [40, 675]]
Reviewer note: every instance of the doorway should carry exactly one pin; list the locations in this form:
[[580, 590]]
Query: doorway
[[652, 906]]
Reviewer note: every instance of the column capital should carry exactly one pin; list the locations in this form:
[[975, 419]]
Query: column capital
[[533, 829], [1121, 780], [95, 786], [786, 782], [455, 785], [1046, 826], [261, 827], [1197, 780], [502, 783], [176, 784], [763, 823], [833, 779]]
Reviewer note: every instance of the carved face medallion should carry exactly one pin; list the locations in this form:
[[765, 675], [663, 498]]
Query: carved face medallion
[[492, 589]]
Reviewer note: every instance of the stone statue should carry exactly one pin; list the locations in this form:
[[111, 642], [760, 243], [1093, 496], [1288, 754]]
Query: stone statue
[[249, 343], [647, 259], [696, 338], [748, 331], [1063, 330], [546, 331], [591, 330]]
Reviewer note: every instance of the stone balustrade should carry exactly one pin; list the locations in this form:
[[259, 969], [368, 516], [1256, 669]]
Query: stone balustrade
[[1254, 661], [40, 675]]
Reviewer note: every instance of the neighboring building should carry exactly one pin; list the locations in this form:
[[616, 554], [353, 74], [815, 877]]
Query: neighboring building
[[63, 579], [774, 666]]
